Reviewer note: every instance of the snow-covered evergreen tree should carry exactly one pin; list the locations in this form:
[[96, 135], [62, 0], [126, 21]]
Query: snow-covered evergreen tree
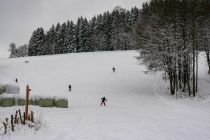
[[84, 36], [57, 35], [61, 48], [22, 51], [118, 32], [93, 33], [107, 31], [35, 46], [49, 43], [70, 38]]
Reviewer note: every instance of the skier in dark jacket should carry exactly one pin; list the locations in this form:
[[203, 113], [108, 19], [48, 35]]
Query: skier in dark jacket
[[113, 69], [103, 100], [16, 80], [69, 87]]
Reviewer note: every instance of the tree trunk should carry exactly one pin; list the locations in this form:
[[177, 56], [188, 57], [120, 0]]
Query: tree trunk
[[196, 89], [171, 83], [206, 50], [193, 39]]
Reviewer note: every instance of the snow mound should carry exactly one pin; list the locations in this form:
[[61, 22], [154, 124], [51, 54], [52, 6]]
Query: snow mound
[[12, 88]]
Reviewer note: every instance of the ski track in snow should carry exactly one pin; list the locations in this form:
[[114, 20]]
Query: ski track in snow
[[138, 107]]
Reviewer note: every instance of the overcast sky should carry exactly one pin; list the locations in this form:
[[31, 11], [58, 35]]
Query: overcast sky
[[19, 18]]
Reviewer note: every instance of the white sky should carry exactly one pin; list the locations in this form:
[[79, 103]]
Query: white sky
[[19, 18]]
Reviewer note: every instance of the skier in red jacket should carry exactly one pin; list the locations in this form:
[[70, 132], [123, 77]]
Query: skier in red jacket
[[103, 101]]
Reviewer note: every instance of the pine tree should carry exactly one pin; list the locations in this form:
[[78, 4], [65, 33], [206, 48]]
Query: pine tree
[[107, 29], [50, 41], [22, 51], [84, 44], [104, 32], [100, 35], [36, 42], [93, 33], [61, 48], [70, 38], [119, 35]]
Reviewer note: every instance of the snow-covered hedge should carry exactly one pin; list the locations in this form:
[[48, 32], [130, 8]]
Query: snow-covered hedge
[[52, 102], [61, 103], [7, 102], [22, 102], [47, 102]]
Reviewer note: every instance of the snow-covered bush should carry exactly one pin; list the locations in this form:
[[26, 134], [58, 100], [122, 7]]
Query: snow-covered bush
[[12, 89], [2, 89]]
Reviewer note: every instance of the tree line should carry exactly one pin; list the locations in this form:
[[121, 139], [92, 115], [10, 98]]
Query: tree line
[[18, 51], [104, 32], [170, 34]]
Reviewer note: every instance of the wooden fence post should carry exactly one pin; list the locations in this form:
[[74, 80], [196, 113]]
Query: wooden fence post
[[16, 118], [32, 116], [5, 126], [24, 118], [21, 120], [12, 122]]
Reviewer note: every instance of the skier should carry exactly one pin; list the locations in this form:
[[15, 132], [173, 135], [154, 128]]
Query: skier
[[69, 87], [113, 69], [16, 80], [103, 100]]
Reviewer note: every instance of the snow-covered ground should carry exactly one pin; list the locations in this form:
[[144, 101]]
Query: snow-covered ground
[[138, 106]]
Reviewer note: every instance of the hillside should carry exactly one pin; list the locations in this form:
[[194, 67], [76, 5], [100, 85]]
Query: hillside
[[138, 106]]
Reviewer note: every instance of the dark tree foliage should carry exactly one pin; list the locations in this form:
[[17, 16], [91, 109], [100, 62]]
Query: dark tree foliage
[[12, 50], [169, 34], [36, 43], [104, 32], [20, 51]]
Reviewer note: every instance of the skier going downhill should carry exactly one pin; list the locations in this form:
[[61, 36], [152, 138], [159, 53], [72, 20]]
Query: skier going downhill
[[103, 101]]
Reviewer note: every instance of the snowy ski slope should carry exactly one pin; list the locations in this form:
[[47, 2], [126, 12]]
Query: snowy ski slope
[[138, 106]]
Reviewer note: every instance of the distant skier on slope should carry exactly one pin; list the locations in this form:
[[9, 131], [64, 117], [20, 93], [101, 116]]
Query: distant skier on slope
[[69, 87], [113, 69], [16, 80], [103, 101]]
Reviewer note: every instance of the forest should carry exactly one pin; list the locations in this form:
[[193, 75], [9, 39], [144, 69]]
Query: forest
[[170, 34]]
